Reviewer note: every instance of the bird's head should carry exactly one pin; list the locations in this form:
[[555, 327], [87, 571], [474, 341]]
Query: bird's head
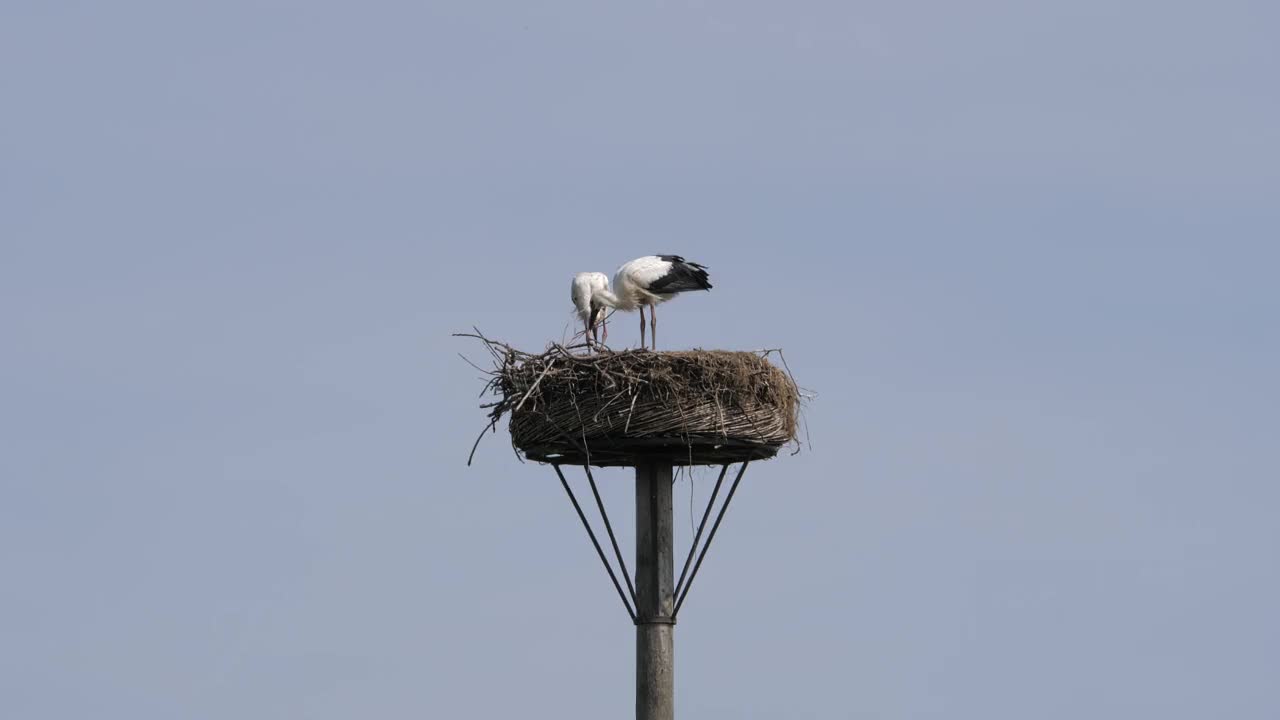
[[598, 314]]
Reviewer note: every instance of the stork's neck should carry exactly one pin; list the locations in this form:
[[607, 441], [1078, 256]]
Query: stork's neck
[[608, 299]]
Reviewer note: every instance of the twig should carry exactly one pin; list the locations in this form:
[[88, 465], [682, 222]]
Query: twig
[[533, 387], [631, 412], [492, 426]]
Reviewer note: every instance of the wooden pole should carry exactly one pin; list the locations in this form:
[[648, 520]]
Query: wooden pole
[[655, 585]]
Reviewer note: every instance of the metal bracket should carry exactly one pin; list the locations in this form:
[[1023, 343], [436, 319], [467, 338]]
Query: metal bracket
[[612, 576], [682, 587], [679, 594]]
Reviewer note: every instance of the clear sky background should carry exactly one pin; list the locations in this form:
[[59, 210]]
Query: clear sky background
[[1026, 253]]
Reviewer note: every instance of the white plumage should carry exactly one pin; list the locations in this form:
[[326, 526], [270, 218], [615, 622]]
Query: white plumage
[[650, 280], [582, 291]]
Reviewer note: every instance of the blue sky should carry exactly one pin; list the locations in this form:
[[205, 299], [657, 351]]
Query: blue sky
[[1024, 252]]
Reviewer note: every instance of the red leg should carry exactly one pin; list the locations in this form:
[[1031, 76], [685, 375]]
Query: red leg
[[653, 324]]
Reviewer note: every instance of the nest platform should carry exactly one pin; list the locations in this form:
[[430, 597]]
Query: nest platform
[[697, 407]]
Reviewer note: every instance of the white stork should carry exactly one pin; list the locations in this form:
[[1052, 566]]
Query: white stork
[[650, 280], [581, 291]]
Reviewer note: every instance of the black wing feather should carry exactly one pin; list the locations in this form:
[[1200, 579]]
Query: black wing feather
[[682, 276]]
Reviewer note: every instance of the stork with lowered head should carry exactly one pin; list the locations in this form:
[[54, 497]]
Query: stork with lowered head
[[581, 291]]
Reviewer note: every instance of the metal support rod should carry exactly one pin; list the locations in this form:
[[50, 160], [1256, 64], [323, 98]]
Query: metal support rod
[[712, 536], [655, 565], [616, 585], [612, 539], [693, 546]]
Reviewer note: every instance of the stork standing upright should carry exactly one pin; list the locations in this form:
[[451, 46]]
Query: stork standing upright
[[650, 280], [582, 291]]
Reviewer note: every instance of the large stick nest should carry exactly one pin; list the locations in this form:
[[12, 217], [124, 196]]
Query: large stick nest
[[620, 408]]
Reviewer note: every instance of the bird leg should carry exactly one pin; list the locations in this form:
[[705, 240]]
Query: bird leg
[[642, 347], [587, 331], [653, 324]]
